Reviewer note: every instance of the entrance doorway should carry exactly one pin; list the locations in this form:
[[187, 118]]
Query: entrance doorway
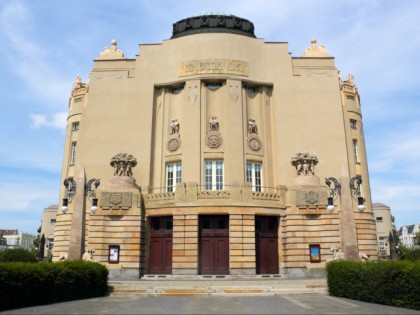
[[160, 245], [214, 245], [266, 242]]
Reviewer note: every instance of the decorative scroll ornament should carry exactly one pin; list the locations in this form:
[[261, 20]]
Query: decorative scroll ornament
[[214, 139], [123, 164], [304, 163], [254, 141]]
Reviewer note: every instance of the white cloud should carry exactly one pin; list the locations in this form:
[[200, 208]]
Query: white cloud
[[57, 120]]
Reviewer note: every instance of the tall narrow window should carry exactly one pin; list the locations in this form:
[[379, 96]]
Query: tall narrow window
[[173, 175], [253, 175], [356, 157], [73, 153], [213, 175], [75, 126], [353, 123]]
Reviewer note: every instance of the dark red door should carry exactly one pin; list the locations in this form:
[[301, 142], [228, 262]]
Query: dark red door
[[214, 245], [266, 242], [161, 245]]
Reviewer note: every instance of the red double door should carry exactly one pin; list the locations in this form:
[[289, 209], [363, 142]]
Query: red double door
[[266, 243], [214, 245], [161, 245]]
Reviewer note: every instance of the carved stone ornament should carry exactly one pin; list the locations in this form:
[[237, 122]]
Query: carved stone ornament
[[254, 142], [252, 126], [174, 126], [123, 164], [304, 163], [112, 52], [213, 124], [173, 143], [79, 88], [311, 197], [214, 140], [116, 200], [192, 94]]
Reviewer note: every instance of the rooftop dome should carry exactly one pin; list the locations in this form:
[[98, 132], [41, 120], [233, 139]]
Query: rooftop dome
[[213, 24]]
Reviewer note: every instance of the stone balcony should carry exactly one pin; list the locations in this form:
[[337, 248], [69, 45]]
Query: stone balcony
[[191, 194]]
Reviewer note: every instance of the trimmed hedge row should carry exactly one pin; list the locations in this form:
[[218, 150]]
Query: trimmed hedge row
[[394, 283], [27, 284], [17, 255]]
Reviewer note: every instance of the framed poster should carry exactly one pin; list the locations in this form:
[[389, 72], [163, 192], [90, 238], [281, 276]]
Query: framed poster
[[114, 254], [315, 253]]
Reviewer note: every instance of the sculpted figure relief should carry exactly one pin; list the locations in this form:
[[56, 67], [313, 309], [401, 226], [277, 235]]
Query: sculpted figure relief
[[213, 124], [123, 164], [88, 255], [252, 126], [304, 163], [174, 126]]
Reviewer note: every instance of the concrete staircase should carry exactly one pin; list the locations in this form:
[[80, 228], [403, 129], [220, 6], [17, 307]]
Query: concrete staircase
[[229, 287]]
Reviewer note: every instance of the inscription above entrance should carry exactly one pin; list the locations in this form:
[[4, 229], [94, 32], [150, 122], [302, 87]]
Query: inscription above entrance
[[213, 66]]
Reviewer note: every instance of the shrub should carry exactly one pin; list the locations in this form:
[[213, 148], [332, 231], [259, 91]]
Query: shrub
[[405, 253], [394, 283], [17, 255], [25, 284]]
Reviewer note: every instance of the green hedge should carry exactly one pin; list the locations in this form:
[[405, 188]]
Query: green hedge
[[395, 283], [17, 255], [26, 284]]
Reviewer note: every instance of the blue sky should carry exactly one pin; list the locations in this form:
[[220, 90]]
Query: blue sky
[[47, 43]]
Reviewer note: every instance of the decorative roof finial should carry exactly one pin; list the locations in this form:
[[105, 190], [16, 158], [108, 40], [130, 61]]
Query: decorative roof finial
[[315, 50], [112, 52]]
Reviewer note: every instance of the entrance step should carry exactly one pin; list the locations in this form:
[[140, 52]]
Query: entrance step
[[219, 287]]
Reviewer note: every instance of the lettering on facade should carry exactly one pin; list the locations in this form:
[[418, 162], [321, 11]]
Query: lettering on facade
[[213, 66]]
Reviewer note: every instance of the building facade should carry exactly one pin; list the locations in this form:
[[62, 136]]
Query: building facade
[[211, 149], [408, 235], [47, 228], [385, 231]]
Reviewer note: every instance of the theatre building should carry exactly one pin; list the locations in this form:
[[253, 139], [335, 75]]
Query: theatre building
[[208, 154]]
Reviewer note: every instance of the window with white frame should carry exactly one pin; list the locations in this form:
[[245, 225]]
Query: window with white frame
[[253, 175], [356, 156], [213, 174], [173, 175], [382, 243], [73, 152]]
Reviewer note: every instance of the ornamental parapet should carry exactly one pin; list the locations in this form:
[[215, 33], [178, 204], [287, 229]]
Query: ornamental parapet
[[191, 194]]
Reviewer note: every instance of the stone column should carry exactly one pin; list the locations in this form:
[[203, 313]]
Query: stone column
[[348, 226], [77, 232], [185, 244]]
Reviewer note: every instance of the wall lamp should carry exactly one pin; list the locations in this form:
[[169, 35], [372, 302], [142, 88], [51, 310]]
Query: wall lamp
[[335, 191], [70, 185], [89, 192], [355, 183]]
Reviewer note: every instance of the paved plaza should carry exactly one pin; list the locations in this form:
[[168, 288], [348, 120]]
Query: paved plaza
[[292, 304]]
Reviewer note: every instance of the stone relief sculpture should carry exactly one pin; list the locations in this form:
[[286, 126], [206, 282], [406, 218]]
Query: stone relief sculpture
[[174, 141], [213, 124], [338, 255], [123, 164], [174, 126], [88, 255], [304, 163], [192, 94], [254, 141], [214, 138], [79, 87], [252, 126]]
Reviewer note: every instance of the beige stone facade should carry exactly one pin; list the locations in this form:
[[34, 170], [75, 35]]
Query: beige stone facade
[[213, 119], [385, 231]]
